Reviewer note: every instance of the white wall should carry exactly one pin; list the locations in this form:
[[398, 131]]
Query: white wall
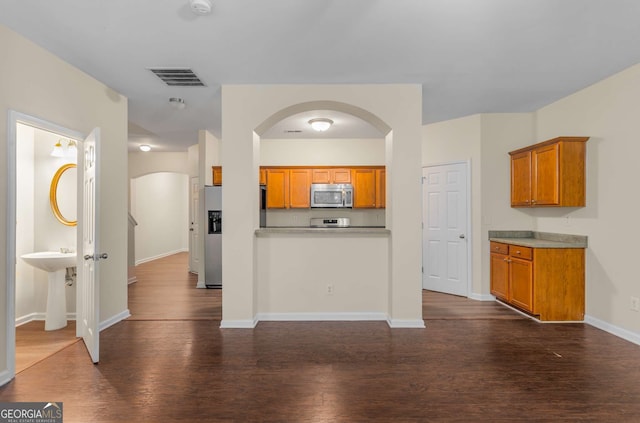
[[608, 113], [145, 163], [25, 237], [37, 83], [302, 266], [322, 152], [160, 204]]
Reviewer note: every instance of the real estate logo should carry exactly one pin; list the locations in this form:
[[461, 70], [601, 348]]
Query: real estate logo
[[30, 412]]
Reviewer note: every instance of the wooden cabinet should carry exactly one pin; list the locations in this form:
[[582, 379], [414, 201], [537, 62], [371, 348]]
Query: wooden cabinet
[[217, 175], [364, 188], [545, 282], [263, 176], [500, 271], [381, 188], [277, 188], [331, 176], [549, 174], [289, 187], [299, 188]]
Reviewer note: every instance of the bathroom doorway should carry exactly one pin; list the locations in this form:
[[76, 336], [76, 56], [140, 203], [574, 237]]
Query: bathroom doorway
[[46, 175], [45, 203]]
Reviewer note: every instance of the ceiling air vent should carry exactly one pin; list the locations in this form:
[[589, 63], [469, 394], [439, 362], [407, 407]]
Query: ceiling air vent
[[178, 77]]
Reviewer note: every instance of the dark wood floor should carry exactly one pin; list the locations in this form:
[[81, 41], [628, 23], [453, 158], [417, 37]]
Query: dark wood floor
[[502, 368]]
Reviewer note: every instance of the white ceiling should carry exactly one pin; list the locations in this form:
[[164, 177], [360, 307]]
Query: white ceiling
[[470, 56]]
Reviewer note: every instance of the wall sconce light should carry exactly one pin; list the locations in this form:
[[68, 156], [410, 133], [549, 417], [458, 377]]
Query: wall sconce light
[[57, 150], [69, 150], [321, 124]]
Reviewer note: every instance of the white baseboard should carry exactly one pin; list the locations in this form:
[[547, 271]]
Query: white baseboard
[[131, 280], [319, 317], [114, 319], [238, 324], [38, 316], [201, 284], [410, 324], [612, 329], [481, 297], [159, 256], [5, 377]]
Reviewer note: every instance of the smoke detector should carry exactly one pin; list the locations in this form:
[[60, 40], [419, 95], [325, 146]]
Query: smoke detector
[[177, 103], [201, 7]]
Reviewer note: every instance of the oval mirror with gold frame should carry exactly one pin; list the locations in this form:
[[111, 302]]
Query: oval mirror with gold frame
[[53, 195]]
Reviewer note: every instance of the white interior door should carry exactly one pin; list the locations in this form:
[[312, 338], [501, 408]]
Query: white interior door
[[89, 286], [194, 216], [444, 232]]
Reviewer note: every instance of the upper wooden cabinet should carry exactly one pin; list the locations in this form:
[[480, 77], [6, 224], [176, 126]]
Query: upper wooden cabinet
[[381, 188], [277, 188], [290, 187], [263, 176], [331, 175], [369, 187], [549, 174], [299, 188], [217, 175]]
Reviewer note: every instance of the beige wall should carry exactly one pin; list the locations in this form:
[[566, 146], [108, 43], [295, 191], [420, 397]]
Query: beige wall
[[141, 164], [322, 152], [608, 113], [37, 83], [484, 140], [245, 109]]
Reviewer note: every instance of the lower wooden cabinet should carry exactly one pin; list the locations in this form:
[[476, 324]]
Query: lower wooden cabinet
[[545, 282]]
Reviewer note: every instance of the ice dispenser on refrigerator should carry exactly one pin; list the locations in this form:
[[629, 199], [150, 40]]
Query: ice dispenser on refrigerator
[[213, 241]]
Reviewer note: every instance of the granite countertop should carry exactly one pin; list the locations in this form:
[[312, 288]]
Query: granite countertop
[[366, 230], [535, 239]]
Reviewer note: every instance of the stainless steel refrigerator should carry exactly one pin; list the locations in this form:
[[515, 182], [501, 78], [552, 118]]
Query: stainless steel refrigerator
[[213, 238]]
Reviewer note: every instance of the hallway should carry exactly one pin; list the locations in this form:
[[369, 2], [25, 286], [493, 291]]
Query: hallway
[[171, 363]]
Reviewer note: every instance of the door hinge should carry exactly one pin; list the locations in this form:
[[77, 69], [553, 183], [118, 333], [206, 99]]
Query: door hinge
[[422, 269]]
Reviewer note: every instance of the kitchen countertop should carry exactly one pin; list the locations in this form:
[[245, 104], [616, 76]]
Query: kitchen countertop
[[365, 230], [535, 239]]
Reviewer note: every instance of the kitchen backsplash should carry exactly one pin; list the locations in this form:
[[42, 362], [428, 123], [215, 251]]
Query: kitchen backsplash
[[301, 217]]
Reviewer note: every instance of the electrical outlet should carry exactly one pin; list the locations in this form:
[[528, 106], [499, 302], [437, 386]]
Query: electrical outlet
[[330, 289], [635, 303]]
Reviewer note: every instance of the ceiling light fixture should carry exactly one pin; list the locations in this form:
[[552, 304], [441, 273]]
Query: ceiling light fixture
[[320, 124], [177, 103], [201, 7], [145, 148]]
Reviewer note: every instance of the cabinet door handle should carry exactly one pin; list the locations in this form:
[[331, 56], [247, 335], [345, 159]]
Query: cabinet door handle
[[507, 260]]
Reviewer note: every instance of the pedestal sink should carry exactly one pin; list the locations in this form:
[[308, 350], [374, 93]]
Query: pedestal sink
[[54, 264]]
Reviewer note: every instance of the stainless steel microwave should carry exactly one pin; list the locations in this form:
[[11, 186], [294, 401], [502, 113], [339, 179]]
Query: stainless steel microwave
[[331, 195]]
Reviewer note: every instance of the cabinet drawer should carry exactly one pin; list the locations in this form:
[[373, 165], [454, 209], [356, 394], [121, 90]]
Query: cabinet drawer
[[521, 252], [497, 247]]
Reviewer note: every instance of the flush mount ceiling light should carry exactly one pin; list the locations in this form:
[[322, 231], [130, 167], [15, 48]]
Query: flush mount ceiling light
[[177, 103], [320, 124], [145, 148], [201, 7]]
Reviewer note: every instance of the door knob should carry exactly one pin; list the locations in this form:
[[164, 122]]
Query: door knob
[[96, 257], [461, 236]]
